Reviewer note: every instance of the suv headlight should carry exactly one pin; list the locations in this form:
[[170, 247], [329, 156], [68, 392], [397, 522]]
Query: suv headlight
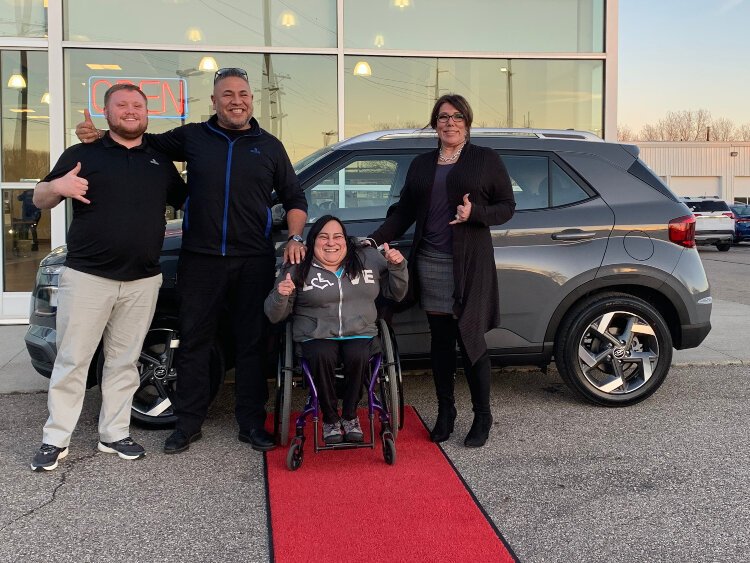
[[44, 302]]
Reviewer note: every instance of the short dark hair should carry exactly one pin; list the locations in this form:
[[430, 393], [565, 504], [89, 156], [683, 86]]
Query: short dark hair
[[123, 86], [458, 102], [352, 263]]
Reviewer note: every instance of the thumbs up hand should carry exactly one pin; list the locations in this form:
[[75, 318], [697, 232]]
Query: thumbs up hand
[[71, 185], [286, 286], [86, 131], [463, 212]]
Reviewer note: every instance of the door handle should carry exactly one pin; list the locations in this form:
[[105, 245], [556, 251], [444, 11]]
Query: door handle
[[573, 234]]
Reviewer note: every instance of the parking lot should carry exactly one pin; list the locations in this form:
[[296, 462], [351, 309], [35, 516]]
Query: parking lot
[[664, 480]]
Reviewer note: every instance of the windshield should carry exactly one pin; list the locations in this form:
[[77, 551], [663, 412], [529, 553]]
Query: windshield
[[300, 165]]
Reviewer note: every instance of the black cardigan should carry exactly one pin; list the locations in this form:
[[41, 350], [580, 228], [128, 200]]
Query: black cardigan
[[480, 173]]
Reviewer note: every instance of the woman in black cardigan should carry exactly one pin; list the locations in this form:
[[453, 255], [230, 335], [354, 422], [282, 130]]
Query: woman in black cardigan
[[454, 194]]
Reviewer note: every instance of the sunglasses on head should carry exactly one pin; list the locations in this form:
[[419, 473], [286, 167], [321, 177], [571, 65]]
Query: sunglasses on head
[[230, 71]]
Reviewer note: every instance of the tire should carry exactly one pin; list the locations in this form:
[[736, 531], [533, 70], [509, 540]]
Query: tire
[[294, 456], [389, 450], [723, 246], [390, 388], [605, 362], [284, 377], [152, 401]]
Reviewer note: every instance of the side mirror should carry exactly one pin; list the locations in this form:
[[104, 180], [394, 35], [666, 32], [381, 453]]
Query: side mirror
[[278, 216]]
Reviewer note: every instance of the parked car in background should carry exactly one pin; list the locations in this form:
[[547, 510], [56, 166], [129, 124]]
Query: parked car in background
[[597, 269], [714, 221], [741, 222]]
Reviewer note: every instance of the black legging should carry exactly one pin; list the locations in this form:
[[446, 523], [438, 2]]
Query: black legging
[[444, 334]]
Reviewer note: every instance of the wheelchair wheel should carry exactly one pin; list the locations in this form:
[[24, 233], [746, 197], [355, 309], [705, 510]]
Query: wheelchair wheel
[[389, 450], [284, 378], [400, 381], [294, 455], [390, 388]]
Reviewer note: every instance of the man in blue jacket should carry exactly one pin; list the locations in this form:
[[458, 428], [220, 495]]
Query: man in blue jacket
[[227, 257]]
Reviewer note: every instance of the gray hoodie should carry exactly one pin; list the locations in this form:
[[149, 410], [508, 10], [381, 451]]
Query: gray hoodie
[[331, 307]]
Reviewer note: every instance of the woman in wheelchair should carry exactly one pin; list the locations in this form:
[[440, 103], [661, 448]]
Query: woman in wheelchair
[[331, 296]]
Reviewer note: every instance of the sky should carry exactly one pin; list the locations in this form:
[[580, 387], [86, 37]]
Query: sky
[[679, 55]]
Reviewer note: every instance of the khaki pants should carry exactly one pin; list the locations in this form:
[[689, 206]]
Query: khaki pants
[[90, 309]]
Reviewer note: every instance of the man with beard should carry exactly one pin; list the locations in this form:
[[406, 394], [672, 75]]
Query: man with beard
[[119, 187]]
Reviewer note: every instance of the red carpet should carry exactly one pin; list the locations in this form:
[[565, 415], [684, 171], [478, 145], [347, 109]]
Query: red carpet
[[349, 505]]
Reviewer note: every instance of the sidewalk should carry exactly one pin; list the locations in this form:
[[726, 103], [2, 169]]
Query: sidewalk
[[726, 344]]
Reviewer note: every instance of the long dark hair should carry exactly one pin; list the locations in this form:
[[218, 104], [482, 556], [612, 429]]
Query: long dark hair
[[352, 264], [458, 102]]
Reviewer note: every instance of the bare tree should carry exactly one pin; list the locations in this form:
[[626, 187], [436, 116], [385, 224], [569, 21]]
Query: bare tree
[[723, 129], [625, 133], [685, 125], [743, 132]]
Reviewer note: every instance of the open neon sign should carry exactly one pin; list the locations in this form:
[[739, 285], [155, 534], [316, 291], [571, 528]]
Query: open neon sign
[[167, 97]]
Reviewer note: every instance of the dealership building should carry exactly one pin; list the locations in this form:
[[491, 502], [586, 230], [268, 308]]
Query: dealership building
[[321, 71]]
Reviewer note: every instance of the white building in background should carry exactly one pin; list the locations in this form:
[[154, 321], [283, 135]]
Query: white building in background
[[695, 169]]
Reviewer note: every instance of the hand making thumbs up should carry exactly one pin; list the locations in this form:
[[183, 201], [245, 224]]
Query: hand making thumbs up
[[286, 286], [86, 131]]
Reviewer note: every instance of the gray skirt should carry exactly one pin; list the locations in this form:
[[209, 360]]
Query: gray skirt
[[435, 274]]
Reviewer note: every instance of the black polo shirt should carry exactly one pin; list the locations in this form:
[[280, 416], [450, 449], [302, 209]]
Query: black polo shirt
[[119, 234]]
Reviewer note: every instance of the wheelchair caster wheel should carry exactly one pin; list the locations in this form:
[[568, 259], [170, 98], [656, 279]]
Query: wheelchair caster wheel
[[294, 456], [389, 450]]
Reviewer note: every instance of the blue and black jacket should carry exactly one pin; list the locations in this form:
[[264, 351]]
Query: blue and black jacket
[[230, 181]]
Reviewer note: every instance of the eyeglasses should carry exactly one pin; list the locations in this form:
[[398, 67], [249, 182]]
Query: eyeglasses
[[458, 117], [230, 71]]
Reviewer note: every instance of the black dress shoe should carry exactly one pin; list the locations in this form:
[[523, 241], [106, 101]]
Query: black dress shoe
[[258, 438], [178, 441]]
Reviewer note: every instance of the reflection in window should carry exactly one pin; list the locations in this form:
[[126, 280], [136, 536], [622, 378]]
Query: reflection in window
[[27, 18], [539, 26], [564, 189], [291, 23], [26, 238], [295, 96], [25, 106], [399, 92], [538, 183], [364, 189]]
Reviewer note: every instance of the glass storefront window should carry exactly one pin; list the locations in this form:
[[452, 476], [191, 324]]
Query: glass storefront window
[[400, 92], [23, 18], [260, 23], [295, 96], [537, 26], [26, 238], [24, 98]]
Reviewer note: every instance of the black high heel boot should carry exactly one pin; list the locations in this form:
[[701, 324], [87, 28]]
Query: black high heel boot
[[444, 424], [480, 431]]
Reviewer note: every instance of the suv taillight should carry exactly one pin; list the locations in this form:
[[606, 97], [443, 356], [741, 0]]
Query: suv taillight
[[729, 214], [682, 231]]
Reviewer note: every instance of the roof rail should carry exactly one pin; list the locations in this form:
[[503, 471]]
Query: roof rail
[[569, 134]]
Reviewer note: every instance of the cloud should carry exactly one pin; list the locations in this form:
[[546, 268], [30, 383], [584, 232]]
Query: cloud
[[730, 5]]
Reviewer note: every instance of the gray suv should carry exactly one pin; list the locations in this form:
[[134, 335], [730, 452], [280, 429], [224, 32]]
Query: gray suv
[[597, 269]]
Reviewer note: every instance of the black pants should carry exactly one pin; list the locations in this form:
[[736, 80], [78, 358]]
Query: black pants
[[443, 334], [323, 356], [208, 287]]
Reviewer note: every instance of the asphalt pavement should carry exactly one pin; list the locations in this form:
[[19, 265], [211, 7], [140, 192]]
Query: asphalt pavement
[[664, 480]]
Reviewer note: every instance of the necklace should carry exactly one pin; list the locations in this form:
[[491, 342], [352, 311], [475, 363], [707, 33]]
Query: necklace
[[453, 158]]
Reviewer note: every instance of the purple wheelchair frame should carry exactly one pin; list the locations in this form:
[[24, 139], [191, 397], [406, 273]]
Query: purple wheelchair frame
[[373, 404]]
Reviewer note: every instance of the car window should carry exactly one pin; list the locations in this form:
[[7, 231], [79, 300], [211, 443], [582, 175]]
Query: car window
[[707, 206], [363, 188], [539, 183]]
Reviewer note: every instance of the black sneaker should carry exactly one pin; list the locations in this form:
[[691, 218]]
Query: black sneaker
[[125, 448], [47, 457]]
